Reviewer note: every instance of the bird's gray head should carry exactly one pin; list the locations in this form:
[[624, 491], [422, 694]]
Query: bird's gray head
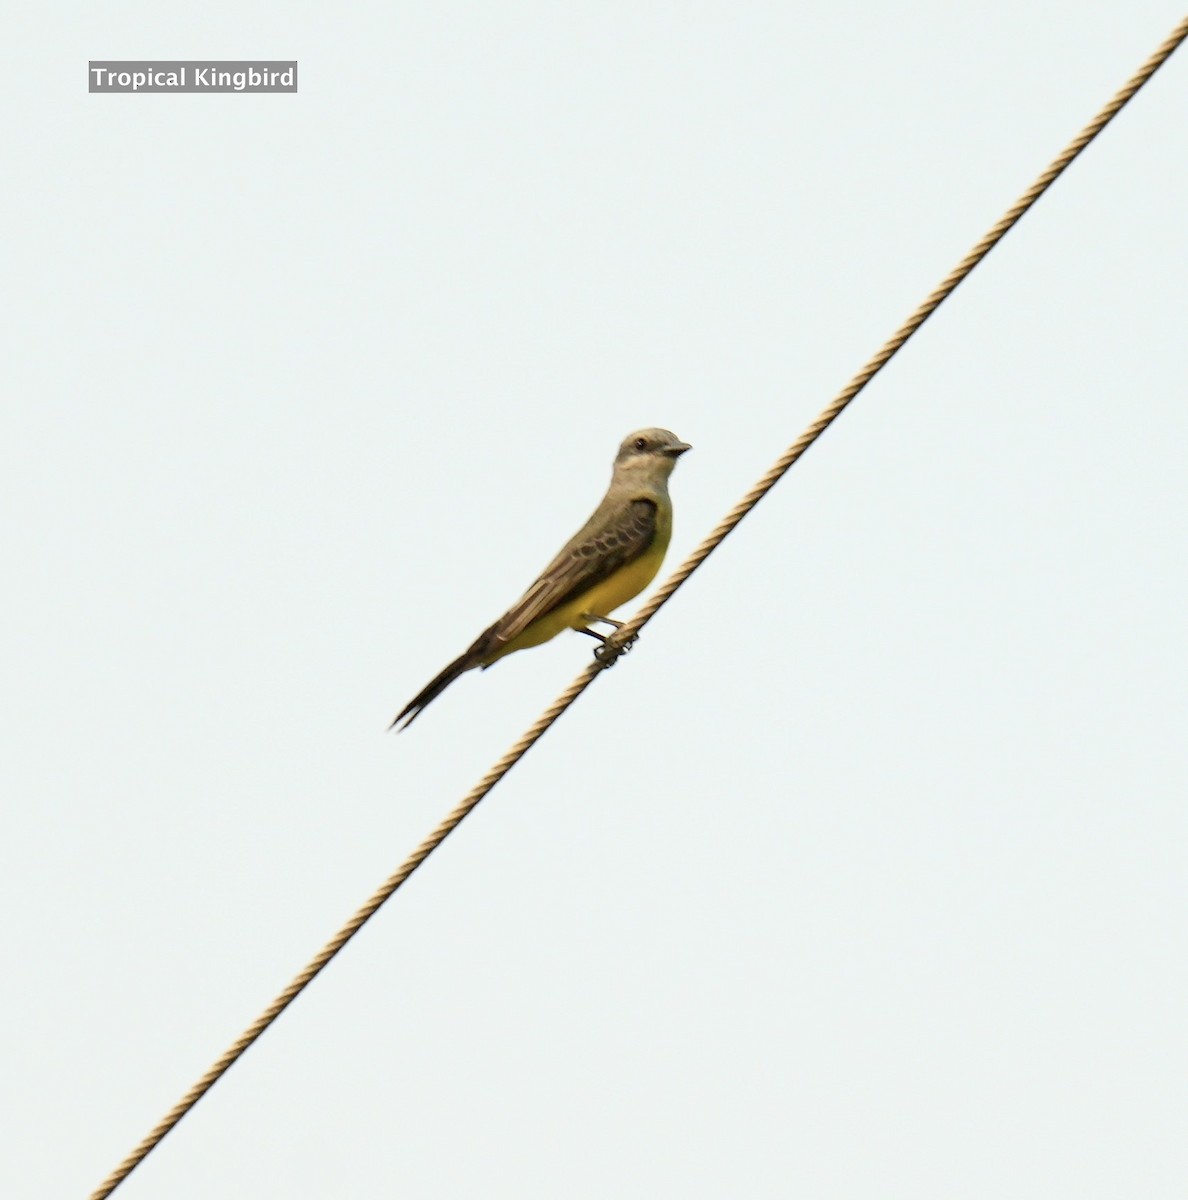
[[650, 452]]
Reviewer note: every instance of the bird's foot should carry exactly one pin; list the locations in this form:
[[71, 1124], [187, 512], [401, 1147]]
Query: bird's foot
[[613, 648]]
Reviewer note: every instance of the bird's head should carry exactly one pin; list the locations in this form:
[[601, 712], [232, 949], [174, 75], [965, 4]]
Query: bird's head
[[651, 452]]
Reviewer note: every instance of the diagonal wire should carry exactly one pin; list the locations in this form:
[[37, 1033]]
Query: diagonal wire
[[661, 597]]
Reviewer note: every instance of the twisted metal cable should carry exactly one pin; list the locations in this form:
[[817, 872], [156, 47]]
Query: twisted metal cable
[[897, 340], [630, 630]]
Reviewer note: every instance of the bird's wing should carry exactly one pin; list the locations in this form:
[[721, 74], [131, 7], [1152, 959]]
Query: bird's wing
[[607, 542]]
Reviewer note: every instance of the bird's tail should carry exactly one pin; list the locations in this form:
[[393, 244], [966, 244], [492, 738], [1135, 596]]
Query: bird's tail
[[433, 689]]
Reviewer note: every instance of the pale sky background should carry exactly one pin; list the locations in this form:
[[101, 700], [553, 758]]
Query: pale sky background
[[866, 875]]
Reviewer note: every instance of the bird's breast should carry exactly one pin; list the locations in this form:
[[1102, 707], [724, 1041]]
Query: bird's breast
[[625, 584]]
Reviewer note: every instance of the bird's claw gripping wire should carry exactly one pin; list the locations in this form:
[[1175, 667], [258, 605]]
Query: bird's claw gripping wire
[[613, 648]]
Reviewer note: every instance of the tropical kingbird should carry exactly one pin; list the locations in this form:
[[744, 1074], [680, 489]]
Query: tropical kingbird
[[610, 560]]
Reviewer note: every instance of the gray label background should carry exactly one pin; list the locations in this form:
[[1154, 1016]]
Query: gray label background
[[191, 67]]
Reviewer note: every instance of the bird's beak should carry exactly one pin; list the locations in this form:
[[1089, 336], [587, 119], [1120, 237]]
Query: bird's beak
[[677, 450]]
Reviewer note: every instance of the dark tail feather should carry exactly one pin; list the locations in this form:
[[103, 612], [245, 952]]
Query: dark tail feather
[[433, 689], [479, 654]]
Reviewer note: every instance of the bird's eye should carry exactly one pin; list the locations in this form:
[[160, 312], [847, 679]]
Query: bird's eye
[[641, 443]]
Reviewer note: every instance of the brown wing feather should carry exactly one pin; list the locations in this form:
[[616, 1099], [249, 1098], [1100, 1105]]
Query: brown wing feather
[[597, 551], [603, 545]]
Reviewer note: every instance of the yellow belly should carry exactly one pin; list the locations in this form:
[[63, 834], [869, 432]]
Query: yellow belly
[[600, 601]]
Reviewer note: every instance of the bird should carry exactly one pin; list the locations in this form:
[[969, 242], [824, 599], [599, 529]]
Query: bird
[[610, 560]]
